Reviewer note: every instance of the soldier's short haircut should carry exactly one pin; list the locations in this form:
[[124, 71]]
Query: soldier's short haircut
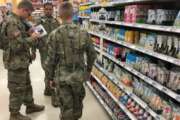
[[66, 9], [25, 4], [48, 4]]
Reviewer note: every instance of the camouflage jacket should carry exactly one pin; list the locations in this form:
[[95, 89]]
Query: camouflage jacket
[[50, 24], [66, 47], [17, 55]]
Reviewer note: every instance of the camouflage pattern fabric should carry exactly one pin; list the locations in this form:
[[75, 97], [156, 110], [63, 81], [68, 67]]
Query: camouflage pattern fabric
[[50, 24], [18, 53], [17, 58], [66, 65], [20, 88]]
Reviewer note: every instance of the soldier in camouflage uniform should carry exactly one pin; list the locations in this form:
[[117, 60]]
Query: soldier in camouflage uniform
[[66, 64], [17, 58], [49, 24]]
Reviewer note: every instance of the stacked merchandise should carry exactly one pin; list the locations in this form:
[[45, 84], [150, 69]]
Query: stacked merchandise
[[154, 69], [120, 115], [85, 11], [157, 42], [122, 97], [162, 105], [140, 49], [138, 14], [85, 25], [96, 41]]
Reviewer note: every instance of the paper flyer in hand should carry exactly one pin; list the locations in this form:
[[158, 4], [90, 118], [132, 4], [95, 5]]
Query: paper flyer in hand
[[41, 30]]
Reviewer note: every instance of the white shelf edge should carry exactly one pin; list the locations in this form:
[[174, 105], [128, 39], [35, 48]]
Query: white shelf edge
[[172, 29], [146, 79], [108, 110], [131, 1], [111, 4], [131, 116], [84, 17], [166, 58], [87, 3], [96, 5], [132, 95]]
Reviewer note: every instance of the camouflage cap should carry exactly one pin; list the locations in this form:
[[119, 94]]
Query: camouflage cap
[[26, 4]]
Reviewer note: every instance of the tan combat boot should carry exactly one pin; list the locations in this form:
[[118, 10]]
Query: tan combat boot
[[18, 116], [34, 108]]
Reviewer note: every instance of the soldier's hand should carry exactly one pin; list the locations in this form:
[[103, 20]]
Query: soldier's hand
[[35, 36], [51, 83], [30, 31]]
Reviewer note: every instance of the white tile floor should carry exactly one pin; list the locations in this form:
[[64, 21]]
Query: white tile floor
[[92, 109]]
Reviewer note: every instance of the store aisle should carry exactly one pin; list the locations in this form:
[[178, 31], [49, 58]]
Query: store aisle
[[92, 109]]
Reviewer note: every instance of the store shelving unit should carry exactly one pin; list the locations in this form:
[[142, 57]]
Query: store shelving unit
[[145, 78], [130, 115], [162, 28], [140, 49], [159, 56], [122, 2], [108, 110], [131, 94]]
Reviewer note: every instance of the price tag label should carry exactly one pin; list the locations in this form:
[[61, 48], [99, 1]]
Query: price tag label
[[178, 98], [130, 94], [150, 53], [154, 84], [164, 89], [163, 27], [143, 77], [138, 74], [111, 78], [141, 49], [122, 64], [147, 108]]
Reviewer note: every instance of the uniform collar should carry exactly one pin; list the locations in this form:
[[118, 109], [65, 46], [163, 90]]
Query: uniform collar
[[48, 17], [16, 16]]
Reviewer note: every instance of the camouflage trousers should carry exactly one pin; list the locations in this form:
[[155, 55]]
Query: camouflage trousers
[[71, 94], [20, 89], [54, 97]]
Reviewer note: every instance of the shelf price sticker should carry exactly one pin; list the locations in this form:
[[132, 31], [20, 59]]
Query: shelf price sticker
[[111, 77], [154, 83], [141, 49], [164, 89], [138, 74], [178, 98], [122, 64], [143, 76], [130, 94], [147, 108]]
